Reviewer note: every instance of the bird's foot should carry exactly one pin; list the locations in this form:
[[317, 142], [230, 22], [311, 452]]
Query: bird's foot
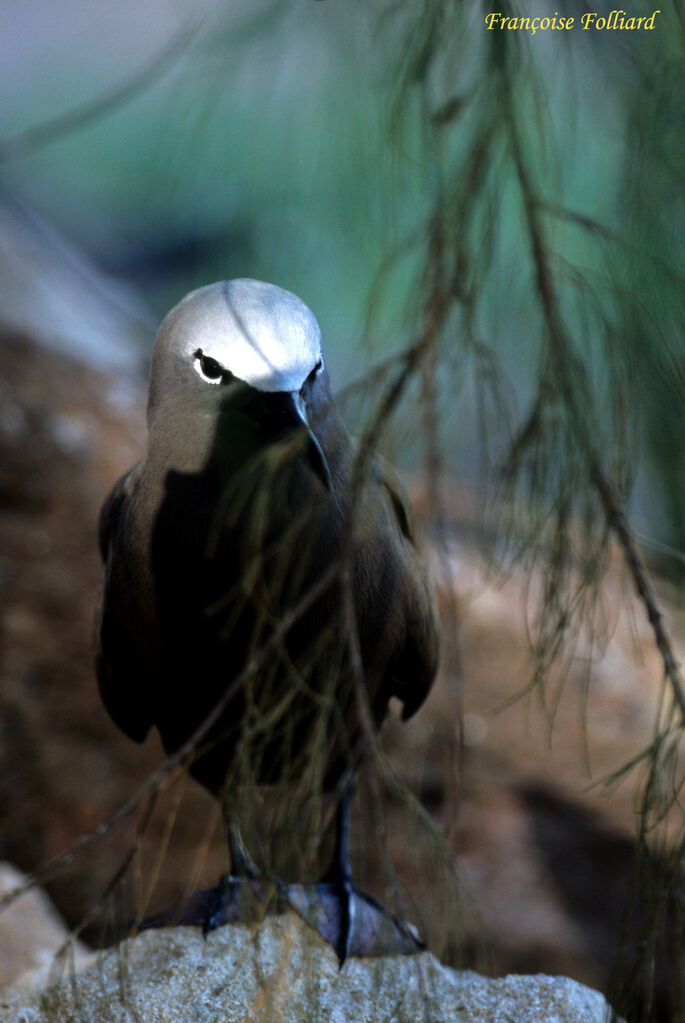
[[236, 899], [352, 921], [240, 898]]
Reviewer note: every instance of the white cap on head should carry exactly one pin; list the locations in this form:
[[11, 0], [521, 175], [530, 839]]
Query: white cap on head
[[262, 334]]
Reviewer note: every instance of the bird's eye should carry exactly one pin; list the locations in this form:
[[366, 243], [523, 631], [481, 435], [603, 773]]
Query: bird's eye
[[317, 369], [209, 369]]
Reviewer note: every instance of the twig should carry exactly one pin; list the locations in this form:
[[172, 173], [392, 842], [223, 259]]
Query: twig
[[619, 524], [182, 756], [565, 362]]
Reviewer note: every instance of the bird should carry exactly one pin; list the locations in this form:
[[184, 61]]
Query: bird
[[254, 593]]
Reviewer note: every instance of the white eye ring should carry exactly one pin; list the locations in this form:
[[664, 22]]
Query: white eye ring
[[208, 368]]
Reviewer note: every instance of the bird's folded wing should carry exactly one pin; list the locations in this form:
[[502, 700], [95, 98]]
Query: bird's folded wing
[[416, 666], [112, 509], [123, 679]]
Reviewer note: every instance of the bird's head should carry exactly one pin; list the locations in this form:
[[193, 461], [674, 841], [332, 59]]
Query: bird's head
[[247, 338]]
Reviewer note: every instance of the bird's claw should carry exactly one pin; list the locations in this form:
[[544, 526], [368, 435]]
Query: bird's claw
[[239, 899], [235, 899], [354, 923]]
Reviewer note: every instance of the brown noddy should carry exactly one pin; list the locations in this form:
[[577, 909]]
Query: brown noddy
[[245, 587]]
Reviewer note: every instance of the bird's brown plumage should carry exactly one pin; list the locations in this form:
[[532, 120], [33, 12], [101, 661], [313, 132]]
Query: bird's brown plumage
[[219, 534]]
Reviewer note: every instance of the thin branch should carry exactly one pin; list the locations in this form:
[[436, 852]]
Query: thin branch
[[566, 364], [619, 524], [596, 227], [183, 756]]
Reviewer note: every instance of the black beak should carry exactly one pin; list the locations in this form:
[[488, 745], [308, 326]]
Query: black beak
[[317, 458], [292, 410]]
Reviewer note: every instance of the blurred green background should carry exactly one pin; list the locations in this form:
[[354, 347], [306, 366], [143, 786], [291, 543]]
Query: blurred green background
[[296, 141]]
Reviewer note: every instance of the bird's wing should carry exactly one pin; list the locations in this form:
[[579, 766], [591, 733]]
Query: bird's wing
[[112, 508], [122, 678], [416, 664]]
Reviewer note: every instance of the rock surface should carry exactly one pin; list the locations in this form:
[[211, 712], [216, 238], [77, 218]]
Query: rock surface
[[281, 969], [31, 930]]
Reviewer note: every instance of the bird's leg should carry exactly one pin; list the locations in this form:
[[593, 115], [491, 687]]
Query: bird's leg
[[242, 864], [244, 895], [339, 868], [234, 896], [338, 878], [354, 922]]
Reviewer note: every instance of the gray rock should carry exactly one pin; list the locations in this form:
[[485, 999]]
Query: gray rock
[[282, 970], [31, 930]]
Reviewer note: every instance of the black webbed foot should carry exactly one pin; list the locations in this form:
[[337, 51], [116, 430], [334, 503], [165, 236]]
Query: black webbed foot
[[353, 922], [239, 899], [243, 896], [337, 893], [233, 900]]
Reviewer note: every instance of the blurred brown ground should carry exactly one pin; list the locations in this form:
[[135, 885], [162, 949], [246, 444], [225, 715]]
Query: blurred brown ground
[[544, 857]]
